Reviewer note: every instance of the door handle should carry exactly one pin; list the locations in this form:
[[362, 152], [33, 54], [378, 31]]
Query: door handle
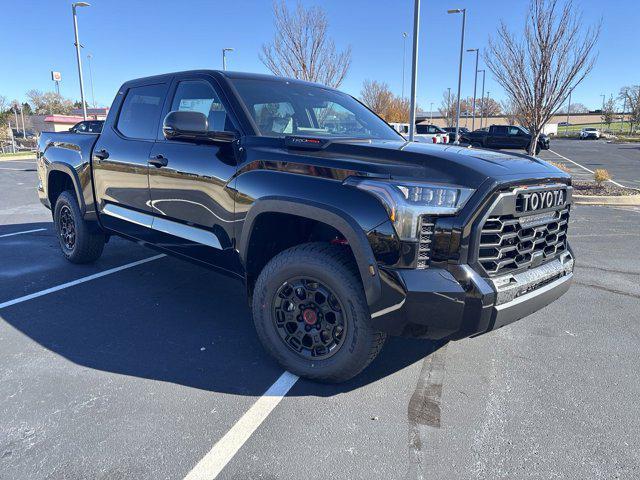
[[159, 161], [102, 154]]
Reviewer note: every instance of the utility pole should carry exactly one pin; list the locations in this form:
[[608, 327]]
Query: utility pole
[[93, 97], [15, 113], [224, 57], [566, 128], [475, 84], [24, 131], [77, 44], [482, 98], [449, 107], [404, 57], [414, 70], [464, 19]]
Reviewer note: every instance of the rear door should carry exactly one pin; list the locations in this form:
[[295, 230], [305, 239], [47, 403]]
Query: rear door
[[192, 205], [120, 159], [497, 137]]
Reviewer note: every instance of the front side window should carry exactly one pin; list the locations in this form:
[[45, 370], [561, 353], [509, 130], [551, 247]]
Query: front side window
[[199, 96], [280, 108], [140, 112]]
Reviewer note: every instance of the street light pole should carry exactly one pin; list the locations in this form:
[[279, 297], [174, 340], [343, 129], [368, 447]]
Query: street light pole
[[475, 84], [431, 113], [404, 57], [566, 128], [602, 116], [464, 19], [77, 44], [93, 97], [449, 106], [482, 97], [224, 57], [24, 131], [414, 70]]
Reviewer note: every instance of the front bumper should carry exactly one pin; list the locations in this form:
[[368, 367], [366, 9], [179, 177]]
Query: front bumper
[[457, 302]]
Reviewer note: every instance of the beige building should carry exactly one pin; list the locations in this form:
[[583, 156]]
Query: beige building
[[574, 119]]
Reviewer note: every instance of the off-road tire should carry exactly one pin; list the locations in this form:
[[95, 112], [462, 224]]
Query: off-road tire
[[88, 245], [333, 266]]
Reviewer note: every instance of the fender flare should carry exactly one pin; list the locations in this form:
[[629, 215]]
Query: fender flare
[[336, 218], [75, 180]]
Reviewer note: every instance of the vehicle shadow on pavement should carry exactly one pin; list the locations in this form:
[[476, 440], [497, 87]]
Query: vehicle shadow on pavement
[[172, 321]]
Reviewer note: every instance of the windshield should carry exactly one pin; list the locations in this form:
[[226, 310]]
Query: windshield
[[281, 108]]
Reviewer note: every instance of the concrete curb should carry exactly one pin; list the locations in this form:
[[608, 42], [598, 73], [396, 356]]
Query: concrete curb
[[622, 200]]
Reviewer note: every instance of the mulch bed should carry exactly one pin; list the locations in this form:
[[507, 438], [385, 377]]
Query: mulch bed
[[607, 188]]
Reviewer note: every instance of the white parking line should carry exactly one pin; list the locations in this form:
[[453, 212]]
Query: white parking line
[[20, 233], [583, 167], [78, 281], [225, 449]]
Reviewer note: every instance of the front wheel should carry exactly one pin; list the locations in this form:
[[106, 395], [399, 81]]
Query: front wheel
[[311, 314], [79, 244]]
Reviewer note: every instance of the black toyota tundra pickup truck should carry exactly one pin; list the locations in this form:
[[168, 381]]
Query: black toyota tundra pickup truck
[[342, 231], [503, 136]]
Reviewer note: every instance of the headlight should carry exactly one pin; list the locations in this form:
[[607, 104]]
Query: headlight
[[407, 201]]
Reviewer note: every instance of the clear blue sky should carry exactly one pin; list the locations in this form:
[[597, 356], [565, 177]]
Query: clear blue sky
[[134, 38]]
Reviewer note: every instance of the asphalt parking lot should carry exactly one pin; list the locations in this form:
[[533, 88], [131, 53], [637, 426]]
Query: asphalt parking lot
[[139, 372], [582, 157]]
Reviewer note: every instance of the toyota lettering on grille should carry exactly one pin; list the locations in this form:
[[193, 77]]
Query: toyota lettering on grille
[[542, 200]]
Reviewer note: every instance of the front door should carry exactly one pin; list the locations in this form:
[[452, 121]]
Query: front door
[[120, 160], [192, 203]]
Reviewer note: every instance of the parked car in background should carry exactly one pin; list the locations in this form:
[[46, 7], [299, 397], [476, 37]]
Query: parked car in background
[[451, 132], [430, 134], [88, 126], [587, 133], [401, 128], [504, 136]]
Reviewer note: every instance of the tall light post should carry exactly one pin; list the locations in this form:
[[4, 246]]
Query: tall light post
[[475, 84], [449, 104], [414, 70], [602, 116], [224, 57], [482, 97], [404, 56], [463, 11], [431, 113], [77, 44], [93, 97], [566, 128]]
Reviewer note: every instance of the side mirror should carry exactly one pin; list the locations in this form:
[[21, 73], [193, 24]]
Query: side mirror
[[191, 127]]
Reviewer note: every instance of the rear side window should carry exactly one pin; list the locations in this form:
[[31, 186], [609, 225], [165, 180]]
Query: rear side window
[[140, 112], [500, 130]]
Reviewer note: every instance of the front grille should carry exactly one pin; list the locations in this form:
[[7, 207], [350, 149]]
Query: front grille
[[509, 243], [424, 245]]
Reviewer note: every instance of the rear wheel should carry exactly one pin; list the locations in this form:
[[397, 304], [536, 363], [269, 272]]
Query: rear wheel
[[79, 244], [476, 144], [311, 313]]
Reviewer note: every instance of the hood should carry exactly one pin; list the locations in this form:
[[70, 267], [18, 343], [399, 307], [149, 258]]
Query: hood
[[439, 163]]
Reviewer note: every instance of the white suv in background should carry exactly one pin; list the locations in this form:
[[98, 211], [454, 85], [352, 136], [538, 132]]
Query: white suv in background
[[590, 132]]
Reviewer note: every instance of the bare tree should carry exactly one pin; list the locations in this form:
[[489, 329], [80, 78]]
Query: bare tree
[[630, 96], [399, 110], [4, 103], [539, 69], [609, 111], [377, 96], [49, 103], [510, 111], [302, 49], [447, 108]]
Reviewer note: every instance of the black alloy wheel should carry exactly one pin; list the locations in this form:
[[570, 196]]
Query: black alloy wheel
[[309, 318], [67, 227]]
